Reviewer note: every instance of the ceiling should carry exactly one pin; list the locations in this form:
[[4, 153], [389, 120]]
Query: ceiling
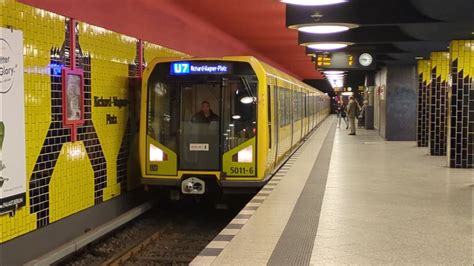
[[199, 27], [397, 30]]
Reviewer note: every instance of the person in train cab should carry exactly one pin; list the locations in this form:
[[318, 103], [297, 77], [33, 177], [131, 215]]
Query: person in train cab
[[341, 114], [352, 112], [206, 115]]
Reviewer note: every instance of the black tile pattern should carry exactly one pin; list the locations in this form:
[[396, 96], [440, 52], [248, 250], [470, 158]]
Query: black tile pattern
[[122, 158], [423, 118], [58, 135], [55, 138], [461, 148], [438, 114]]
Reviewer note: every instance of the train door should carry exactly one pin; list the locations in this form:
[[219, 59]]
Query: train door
[[200, 126], [272, 123]]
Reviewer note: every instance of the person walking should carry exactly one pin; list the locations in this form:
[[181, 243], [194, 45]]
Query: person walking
[[352, 112]]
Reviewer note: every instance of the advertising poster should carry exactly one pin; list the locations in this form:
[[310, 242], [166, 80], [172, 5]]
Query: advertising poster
[[12, 122]]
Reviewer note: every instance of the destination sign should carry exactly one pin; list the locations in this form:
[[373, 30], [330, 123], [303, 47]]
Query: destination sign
[[194, 68], [344, 60]]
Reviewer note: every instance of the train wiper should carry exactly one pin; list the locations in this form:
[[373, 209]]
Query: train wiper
[[247, 88]]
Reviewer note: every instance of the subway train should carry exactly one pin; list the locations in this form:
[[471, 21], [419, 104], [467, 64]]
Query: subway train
[[221, 123]]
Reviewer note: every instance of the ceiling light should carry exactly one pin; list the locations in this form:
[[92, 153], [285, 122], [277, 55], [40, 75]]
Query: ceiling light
[[335, 76], [313, 2], [419, 57], [327, 46], [248, 99], [324, 28], [333, 72]]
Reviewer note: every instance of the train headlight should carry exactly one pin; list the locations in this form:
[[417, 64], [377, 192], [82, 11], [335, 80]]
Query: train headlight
[[244, 156], [157, 154]]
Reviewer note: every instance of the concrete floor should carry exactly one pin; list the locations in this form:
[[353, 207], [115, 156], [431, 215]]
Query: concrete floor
[[384, 203], [390, 202]]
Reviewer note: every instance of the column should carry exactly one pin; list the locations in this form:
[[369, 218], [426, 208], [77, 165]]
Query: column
[[461, 116], [424, 80], [438, 102]]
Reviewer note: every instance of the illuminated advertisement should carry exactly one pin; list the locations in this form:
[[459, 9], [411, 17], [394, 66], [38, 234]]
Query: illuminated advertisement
[[12, 122], [190, 68]]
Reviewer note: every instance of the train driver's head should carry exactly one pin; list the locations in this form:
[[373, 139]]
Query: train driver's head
[[206, 108]]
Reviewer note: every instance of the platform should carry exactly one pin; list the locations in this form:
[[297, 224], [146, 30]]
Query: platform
[[353, 200]]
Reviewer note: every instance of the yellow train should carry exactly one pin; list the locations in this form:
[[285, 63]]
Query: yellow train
[[221, 122]]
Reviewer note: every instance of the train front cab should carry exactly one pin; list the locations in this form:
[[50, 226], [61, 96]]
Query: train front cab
[[178, 149]]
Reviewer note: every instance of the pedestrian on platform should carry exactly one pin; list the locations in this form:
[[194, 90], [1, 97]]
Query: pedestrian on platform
[[352, 112], [341, 114], [361, 118]]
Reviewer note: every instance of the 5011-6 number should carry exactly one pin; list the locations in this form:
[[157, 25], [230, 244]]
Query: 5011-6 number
[[242, 171]]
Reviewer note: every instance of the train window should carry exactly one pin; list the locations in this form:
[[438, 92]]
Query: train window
[[163, 113], [269, 110], [281, 107], [288, 112], [240, 110]]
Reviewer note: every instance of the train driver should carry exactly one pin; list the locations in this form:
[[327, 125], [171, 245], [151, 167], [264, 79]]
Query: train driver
[[206, 115]]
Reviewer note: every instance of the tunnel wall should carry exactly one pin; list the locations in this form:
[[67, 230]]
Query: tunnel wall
[[66, 177]]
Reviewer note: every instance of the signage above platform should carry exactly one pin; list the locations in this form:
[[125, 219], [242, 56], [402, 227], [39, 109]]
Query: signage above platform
[[346, 61], [199, 68]]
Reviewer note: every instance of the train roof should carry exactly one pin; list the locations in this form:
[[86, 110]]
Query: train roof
[[270, 70]]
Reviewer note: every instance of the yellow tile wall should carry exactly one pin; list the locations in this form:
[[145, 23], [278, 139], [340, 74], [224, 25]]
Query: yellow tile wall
[[71, 187]]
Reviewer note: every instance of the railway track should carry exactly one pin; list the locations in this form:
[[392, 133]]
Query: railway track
[[170, 234]]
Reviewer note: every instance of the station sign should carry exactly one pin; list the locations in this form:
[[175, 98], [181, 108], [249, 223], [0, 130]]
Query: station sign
[[199, 68], [12, 122], [346, 61]]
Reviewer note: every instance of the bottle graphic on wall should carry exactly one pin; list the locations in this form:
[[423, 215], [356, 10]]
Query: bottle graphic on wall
[[2, 166]]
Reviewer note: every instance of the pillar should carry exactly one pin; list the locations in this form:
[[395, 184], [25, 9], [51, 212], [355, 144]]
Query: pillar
[[369, 112], [424, 80], [461, 116], [438, 102]]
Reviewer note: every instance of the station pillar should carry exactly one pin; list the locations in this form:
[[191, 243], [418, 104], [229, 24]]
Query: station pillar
[[422, 124], [461, 105], [369, 111], [438, 103]]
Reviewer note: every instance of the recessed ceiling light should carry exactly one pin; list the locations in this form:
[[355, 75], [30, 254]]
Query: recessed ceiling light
[[324, 28], [313, 2], [418, 57], [333, 72], [327, 46]]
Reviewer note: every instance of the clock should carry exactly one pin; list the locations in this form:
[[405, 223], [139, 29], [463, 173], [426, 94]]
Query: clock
[[365, 59]]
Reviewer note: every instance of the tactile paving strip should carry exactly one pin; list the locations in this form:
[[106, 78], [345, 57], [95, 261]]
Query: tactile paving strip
[[295, 245], [217, 245]]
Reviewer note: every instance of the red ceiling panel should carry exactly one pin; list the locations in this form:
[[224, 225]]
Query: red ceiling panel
[[199, 27]]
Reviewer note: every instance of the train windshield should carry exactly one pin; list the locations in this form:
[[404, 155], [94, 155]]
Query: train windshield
[[200, 116]]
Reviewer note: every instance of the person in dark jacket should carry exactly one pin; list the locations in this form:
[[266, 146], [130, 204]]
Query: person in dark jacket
[[206, 115], [341, 114]]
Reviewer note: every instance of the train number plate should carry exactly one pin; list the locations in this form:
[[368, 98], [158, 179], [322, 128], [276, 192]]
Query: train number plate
[[199, 147]]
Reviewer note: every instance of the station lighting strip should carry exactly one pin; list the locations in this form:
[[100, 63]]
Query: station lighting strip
[[313, 2], [327, 46], [323, 28]]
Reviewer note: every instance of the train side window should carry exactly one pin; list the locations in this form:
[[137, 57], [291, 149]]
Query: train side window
[[269, 104], [288, 107], [281, 107]]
